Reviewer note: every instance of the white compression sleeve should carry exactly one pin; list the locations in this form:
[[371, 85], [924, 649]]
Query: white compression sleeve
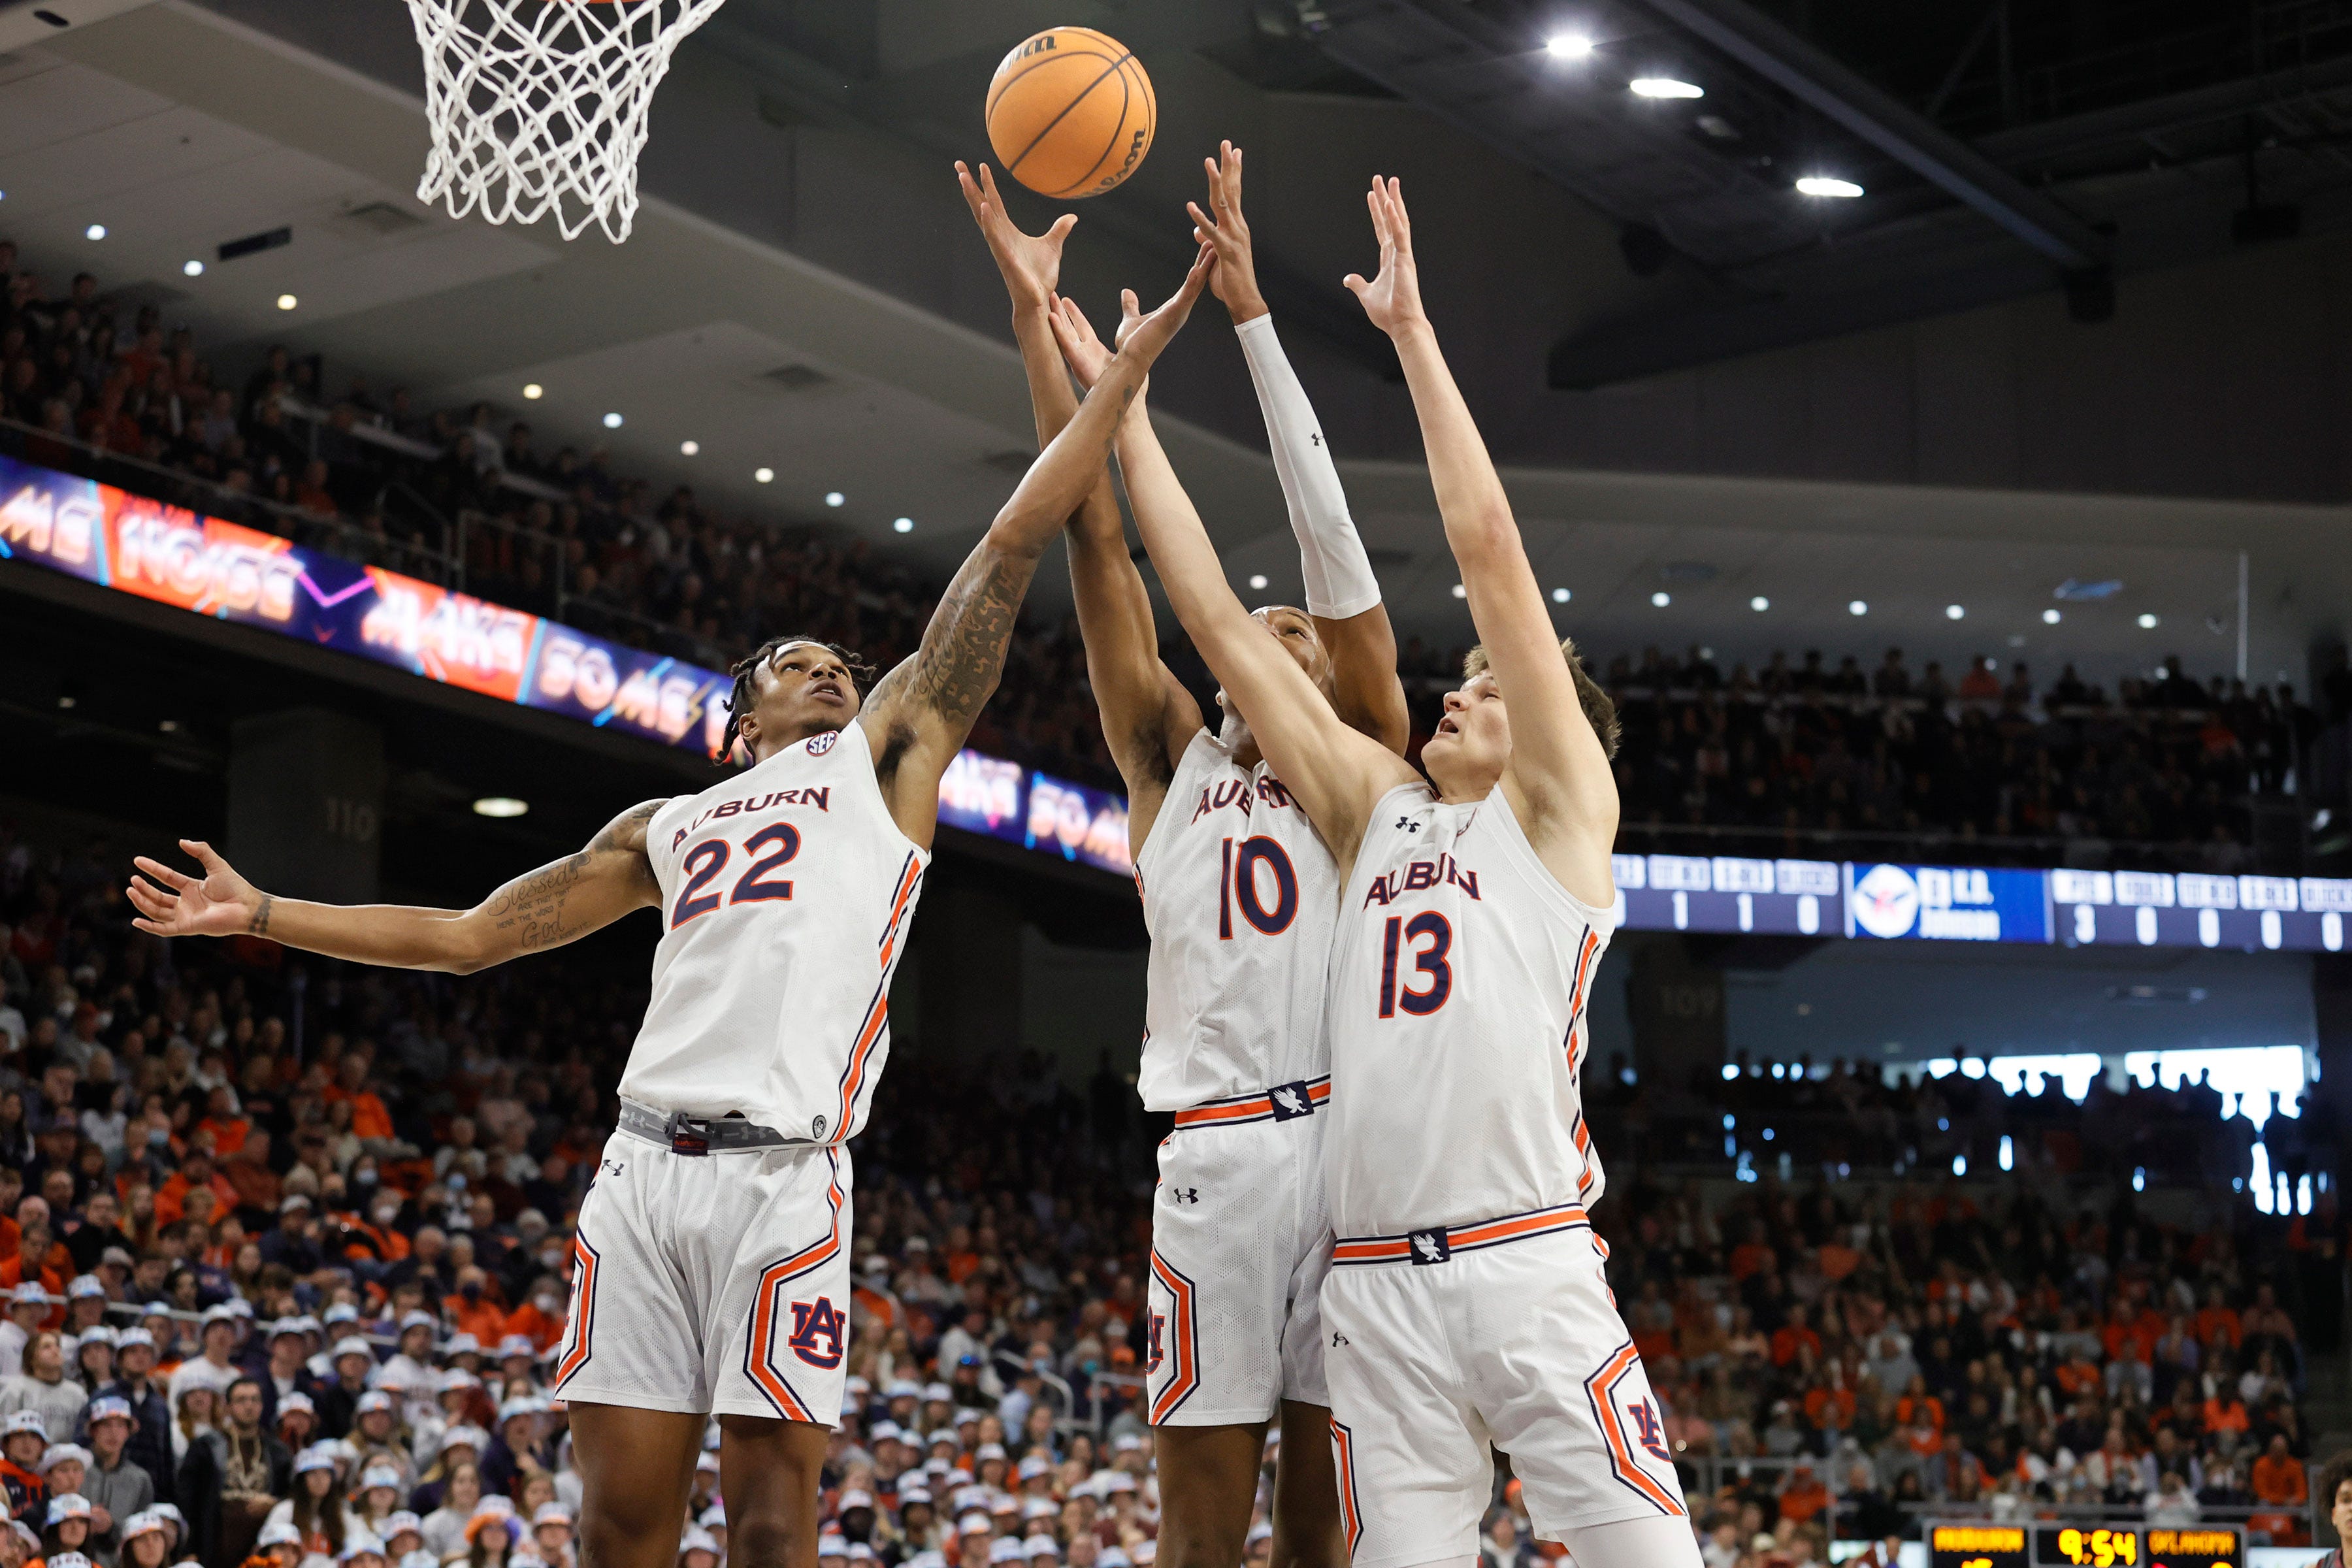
[[1340, 581]]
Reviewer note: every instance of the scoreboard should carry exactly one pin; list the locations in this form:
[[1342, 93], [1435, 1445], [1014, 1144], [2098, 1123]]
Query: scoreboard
[[2139, 1546], [2191, 909], [1978, 1543], [1730, 894]]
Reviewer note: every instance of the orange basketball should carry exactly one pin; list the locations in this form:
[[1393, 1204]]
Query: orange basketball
[[1070, 113]]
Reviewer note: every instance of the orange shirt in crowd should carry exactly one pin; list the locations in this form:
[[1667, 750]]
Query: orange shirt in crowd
[[543, 1328], [1790, 1339], [2225, 1414], [1803, 1498], [2281, 1481]]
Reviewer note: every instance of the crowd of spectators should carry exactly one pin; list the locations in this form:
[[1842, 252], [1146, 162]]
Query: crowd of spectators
[[1782, 754], [285, 1248]]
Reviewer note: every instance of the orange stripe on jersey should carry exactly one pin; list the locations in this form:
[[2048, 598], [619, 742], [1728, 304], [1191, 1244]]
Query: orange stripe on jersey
[[1373, 1249], [759, 1352], [877, 1012], [1219, 1112], [1600, 1389], [1511, 1229]]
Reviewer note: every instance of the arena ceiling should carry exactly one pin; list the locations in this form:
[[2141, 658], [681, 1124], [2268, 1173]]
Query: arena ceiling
[[1945, 434]]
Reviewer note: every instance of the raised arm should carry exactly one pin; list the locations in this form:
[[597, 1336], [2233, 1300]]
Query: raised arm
[[558, 903], [1148, 717], [919, 715], [1336, 774], [1558, 777], [1342, 595]]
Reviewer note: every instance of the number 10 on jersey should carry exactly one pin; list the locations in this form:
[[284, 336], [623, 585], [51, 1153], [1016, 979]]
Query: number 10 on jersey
[[1240, 885]]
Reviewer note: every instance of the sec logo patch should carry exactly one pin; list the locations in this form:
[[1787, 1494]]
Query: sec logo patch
[[818, 745]]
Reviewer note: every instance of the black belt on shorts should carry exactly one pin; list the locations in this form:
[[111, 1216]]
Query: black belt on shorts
[[700, 1134]]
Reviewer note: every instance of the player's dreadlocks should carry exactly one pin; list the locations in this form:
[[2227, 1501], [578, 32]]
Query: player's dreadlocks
[[747, 691]]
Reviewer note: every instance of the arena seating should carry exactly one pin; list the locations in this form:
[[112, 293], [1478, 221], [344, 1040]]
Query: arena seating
[[201, 1146], [1808, 758]]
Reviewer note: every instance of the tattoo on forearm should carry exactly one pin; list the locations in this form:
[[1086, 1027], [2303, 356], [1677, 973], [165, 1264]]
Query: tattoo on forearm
[[958, 666], [532, 907], [259, 924]]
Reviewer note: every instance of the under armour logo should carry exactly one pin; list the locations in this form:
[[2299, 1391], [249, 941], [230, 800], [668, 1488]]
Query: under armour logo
[[1337, 1340], [1409, 826], [1431, 1246], [1314, 438], [1291, 1101], [612, 1167], [1185, 1194]]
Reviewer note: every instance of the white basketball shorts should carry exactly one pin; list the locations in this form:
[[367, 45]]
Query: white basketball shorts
[[713, 1282], [1241, 1240], [1444, 1343]]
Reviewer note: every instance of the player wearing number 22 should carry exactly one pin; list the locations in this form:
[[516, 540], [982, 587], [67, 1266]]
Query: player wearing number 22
[[1467, 1309], [710, 1271]]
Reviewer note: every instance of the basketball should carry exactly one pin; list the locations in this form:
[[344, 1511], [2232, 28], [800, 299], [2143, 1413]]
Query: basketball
[[1070, 112]]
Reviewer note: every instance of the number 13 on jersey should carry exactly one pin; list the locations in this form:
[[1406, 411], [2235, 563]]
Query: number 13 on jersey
[[1428, 940]]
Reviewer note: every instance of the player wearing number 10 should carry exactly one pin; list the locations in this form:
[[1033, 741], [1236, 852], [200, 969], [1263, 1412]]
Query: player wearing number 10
[[1240, 896], [711, 1265]]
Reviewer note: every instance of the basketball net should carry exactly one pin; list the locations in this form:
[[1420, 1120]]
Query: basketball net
[[541, 106]]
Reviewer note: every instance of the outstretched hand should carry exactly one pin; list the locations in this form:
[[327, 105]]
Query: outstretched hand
[[1031, 263], [1392, 300], [1236, 279], [218, 903], [1087, 355]]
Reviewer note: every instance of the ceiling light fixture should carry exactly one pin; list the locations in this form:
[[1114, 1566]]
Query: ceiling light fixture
[[1664, 87], [1660, 599], [764, 476], [1460, 592], [192, 269], [2049, 617], [1257, 581], [500, 806], [1568, 46], [612, 422], [1856, 607], [286, 301], [1954, 612], [1561, 595], [95, 231], [689, 448], [1759, 603], [2147, 623], [904, 524], [834, 497], [534, 392], [1827, 185]]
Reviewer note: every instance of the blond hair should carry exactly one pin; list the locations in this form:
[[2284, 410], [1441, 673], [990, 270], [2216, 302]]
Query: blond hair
[[1600, 712]]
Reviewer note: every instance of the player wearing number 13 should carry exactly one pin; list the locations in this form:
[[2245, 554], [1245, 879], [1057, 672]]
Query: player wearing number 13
[[711, 1259], [1466, 1304]]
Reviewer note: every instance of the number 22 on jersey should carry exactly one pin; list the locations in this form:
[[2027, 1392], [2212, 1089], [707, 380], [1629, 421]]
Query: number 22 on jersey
[[706, 860]]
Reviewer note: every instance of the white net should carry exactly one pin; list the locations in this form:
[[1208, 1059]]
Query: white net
[[540, 107]]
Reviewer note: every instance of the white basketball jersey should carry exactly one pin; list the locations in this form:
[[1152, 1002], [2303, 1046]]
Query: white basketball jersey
[[1240, 896], [786, 891], [1459, 979]]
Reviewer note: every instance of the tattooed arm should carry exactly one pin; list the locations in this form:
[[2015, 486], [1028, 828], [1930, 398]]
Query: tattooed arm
[[919, 714], [558, 903]]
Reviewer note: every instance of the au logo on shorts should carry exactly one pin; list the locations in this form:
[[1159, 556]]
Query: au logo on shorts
[[817, 1330], [1291, 1101], [1159, 1341], [1431, 1246]]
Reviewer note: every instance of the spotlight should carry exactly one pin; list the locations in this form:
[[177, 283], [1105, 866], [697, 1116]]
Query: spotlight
[[95, 231], [1664, 87], [191, 268], [1856, 607], [1954, 612], [1561, 595], [1568, 46], [1660, 599], [764, 476], [286, 301], [904, 526], [1460, 592], [534, 392], [500, 806], [2049, 617], [612, 422], [1827, 185], [834, 497], [1257, 581], [1759, 603], [2147, 623], [689, 448]]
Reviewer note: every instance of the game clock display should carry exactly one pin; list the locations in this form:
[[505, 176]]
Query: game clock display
[[2089, 1546]]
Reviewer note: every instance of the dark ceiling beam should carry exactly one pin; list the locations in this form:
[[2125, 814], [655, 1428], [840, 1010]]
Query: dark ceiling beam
[[1778, 55]]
